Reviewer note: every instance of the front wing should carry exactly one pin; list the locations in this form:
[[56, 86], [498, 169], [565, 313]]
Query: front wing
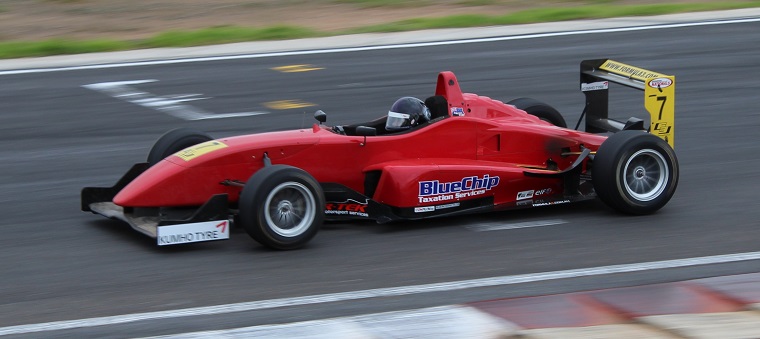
[[168, 226]]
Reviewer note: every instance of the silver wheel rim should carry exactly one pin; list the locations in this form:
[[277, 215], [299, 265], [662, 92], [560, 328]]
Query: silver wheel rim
[[645, 175], [289, 209]]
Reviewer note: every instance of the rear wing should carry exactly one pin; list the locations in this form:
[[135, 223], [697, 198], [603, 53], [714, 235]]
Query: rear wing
[[659, 97]]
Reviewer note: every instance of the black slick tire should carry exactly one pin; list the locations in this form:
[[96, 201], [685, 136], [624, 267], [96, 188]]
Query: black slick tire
[[541, 110], [174, 141], [282, 207], [635, 172]]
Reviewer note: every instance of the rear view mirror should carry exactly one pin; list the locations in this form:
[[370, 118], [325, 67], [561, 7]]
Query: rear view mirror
[[366, 131], [320, 116]]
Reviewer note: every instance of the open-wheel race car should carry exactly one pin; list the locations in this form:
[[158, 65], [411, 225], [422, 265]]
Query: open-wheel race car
[[471, 154]]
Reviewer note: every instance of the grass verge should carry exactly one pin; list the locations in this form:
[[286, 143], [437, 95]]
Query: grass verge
[[229, 34], [226, 34], [551, 14], [206, 36], [18, 49]]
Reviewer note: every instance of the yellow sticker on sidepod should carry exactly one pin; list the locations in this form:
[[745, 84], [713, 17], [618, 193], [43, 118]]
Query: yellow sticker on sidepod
[[193, 152]]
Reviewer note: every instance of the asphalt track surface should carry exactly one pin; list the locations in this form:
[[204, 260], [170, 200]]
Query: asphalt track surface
[[58, 136]]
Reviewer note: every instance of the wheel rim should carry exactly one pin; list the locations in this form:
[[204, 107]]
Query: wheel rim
[[289, 209], [646, 175]]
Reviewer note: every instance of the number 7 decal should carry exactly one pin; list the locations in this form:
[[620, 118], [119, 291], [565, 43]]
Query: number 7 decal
[[660, 103]]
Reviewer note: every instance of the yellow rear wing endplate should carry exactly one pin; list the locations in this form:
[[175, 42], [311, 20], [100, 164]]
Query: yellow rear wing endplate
[[659, 97]]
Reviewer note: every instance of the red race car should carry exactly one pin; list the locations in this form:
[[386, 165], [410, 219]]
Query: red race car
[[454, 153]]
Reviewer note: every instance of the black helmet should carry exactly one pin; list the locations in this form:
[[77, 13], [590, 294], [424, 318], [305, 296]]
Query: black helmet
[[406, 113]]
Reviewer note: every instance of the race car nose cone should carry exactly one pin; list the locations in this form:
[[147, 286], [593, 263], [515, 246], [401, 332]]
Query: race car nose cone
[[160, 185]]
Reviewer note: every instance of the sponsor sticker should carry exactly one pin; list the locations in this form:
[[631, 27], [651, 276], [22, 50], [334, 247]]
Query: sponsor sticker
[[525, 195], [351, 207], [193, 152], [549, 203], [424, 209], [457, 111], [595, 86], [435, 191], [194, 232], [442, 207], [661, 128], [660, 83], [628, 70]]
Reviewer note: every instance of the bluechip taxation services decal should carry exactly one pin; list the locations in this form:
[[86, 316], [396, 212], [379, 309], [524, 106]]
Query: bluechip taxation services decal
[[434, 190]]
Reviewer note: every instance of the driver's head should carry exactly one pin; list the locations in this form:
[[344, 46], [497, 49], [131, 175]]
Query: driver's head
[[406, 113]]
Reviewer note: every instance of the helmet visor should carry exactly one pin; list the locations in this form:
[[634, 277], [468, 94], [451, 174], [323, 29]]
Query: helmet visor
[[397, 121]]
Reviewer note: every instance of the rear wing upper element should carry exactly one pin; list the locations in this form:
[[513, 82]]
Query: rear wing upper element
[[659, 97]]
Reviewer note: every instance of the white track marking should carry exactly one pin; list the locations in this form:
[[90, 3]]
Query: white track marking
[[115, 84], [172, 104], [381, 292], [379, 47], [492, 226], [454, 321]]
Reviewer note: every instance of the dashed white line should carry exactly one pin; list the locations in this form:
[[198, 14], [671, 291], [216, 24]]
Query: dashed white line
[[380, 293]]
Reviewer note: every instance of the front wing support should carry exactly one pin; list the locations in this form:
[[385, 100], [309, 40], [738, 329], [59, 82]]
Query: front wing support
[[210, 221]]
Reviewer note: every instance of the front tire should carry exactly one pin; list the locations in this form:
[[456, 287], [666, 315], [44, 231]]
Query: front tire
[[540, 110], [282, 207], [174, 141], [635, 172]]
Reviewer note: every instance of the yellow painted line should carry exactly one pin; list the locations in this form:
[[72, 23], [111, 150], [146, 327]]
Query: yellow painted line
[[297, 68], [287, 104]]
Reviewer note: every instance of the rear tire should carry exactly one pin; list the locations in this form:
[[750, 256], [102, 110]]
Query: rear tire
[[282, 207], [635, 172], [541, 110], [174, 141]]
